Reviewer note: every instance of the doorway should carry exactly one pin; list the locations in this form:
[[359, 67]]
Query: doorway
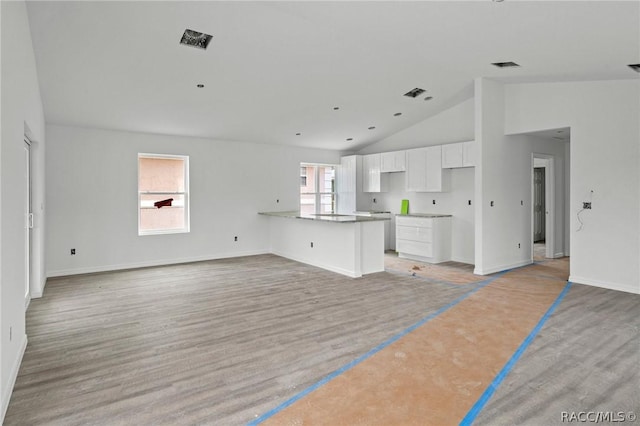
[[543, 209], [28, 219]]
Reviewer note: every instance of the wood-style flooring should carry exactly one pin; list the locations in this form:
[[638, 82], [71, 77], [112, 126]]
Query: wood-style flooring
[[225, 341]]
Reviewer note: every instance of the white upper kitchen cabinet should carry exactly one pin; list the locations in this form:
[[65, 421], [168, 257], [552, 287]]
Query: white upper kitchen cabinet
[[424, 170], [469, 154], [392, 161], [372, 178], [416, 176], [460, 154], [452, 155], [349, 184]]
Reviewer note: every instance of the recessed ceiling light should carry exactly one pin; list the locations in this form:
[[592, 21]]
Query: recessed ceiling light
[[505, 64], [397, 114], [635, 67], [336, 108], [195, 39], [414, 93], [200, 86], [349, 139], [372, 127], [428, 98]]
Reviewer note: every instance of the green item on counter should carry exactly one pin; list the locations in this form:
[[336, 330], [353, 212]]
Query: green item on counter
[[404, 208]]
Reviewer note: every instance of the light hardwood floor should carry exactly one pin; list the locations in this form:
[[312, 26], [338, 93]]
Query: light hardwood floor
[[222, 342], [214, 342]]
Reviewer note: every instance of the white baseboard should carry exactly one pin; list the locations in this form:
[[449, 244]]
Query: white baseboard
[[135, 265], [37, 293], [558, 255], [628, 288], [331, 268], [499, 268], [7, 389], [463, 260]]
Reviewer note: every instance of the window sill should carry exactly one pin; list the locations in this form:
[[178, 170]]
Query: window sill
[[163, 232]]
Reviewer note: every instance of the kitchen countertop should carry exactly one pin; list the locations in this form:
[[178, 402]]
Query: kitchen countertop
[[362, 212], [339, 218], [425, 215]]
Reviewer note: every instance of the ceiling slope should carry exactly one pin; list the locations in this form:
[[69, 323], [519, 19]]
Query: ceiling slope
[[275, 69]]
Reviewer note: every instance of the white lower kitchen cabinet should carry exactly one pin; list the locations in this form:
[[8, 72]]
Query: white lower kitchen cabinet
[[424, 237]]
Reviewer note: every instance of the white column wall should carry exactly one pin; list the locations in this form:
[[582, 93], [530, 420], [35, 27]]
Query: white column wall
[[503, 176]]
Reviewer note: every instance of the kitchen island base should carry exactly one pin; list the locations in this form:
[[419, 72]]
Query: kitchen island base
[[350, 248]]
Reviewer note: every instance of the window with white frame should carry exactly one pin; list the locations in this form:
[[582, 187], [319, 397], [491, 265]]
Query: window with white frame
[[317, 188], [163, 194]]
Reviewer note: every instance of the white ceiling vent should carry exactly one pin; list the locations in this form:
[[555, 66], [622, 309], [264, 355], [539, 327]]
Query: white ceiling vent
[[415, 92], [195, 39]]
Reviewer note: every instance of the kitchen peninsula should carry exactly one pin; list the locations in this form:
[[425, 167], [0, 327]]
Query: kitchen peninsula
[[351, 245]]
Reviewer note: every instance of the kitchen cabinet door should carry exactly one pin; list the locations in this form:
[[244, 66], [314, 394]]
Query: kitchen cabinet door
[[416, 175], [452, 155], [372, 179], [392, 161], [469, 154], [433, 180]]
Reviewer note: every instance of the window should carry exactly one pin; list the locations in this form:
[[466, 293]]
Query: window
[[163, 194], [303, 176], [317, 189]]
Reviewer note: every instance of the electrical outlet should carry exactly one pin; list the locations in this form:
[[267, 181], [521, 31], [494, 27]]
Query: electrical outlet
[[521, 202], [73, 252], [278, 200], [586, 205], [235, 238], [518, 245], [434, 201], [311, 244], [375, 201], [469, 202], [492, 204]]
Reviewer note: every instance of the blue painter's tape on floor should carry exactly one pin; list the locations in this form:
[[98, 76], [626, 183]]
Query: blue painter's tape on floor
[[373, 351], [488, 393]]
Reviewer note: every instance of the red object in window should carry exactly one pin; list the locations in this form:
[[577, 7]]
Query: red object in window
[[163, 203]]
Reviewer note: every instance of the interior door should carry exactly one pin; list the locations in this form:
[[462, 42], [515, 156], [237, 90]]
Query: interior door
[[28, 217], [538, 204]]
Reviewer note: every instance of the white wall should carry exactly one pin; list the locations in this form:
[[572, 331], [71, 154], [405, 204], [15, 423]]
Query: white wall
[[92, 197], [605, 158], [454, 202], [503, 176], [455, 124], [21, 108]]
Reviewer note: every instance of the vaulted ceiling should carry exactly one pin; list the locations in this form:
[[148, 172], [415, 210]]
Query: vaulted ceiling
[[275, 69]]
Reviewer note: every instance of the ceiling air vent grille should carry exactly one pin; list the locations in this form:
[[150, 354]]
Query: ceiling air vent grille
[[414, 93], [635, 67], [195, 39], [505, 64]]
